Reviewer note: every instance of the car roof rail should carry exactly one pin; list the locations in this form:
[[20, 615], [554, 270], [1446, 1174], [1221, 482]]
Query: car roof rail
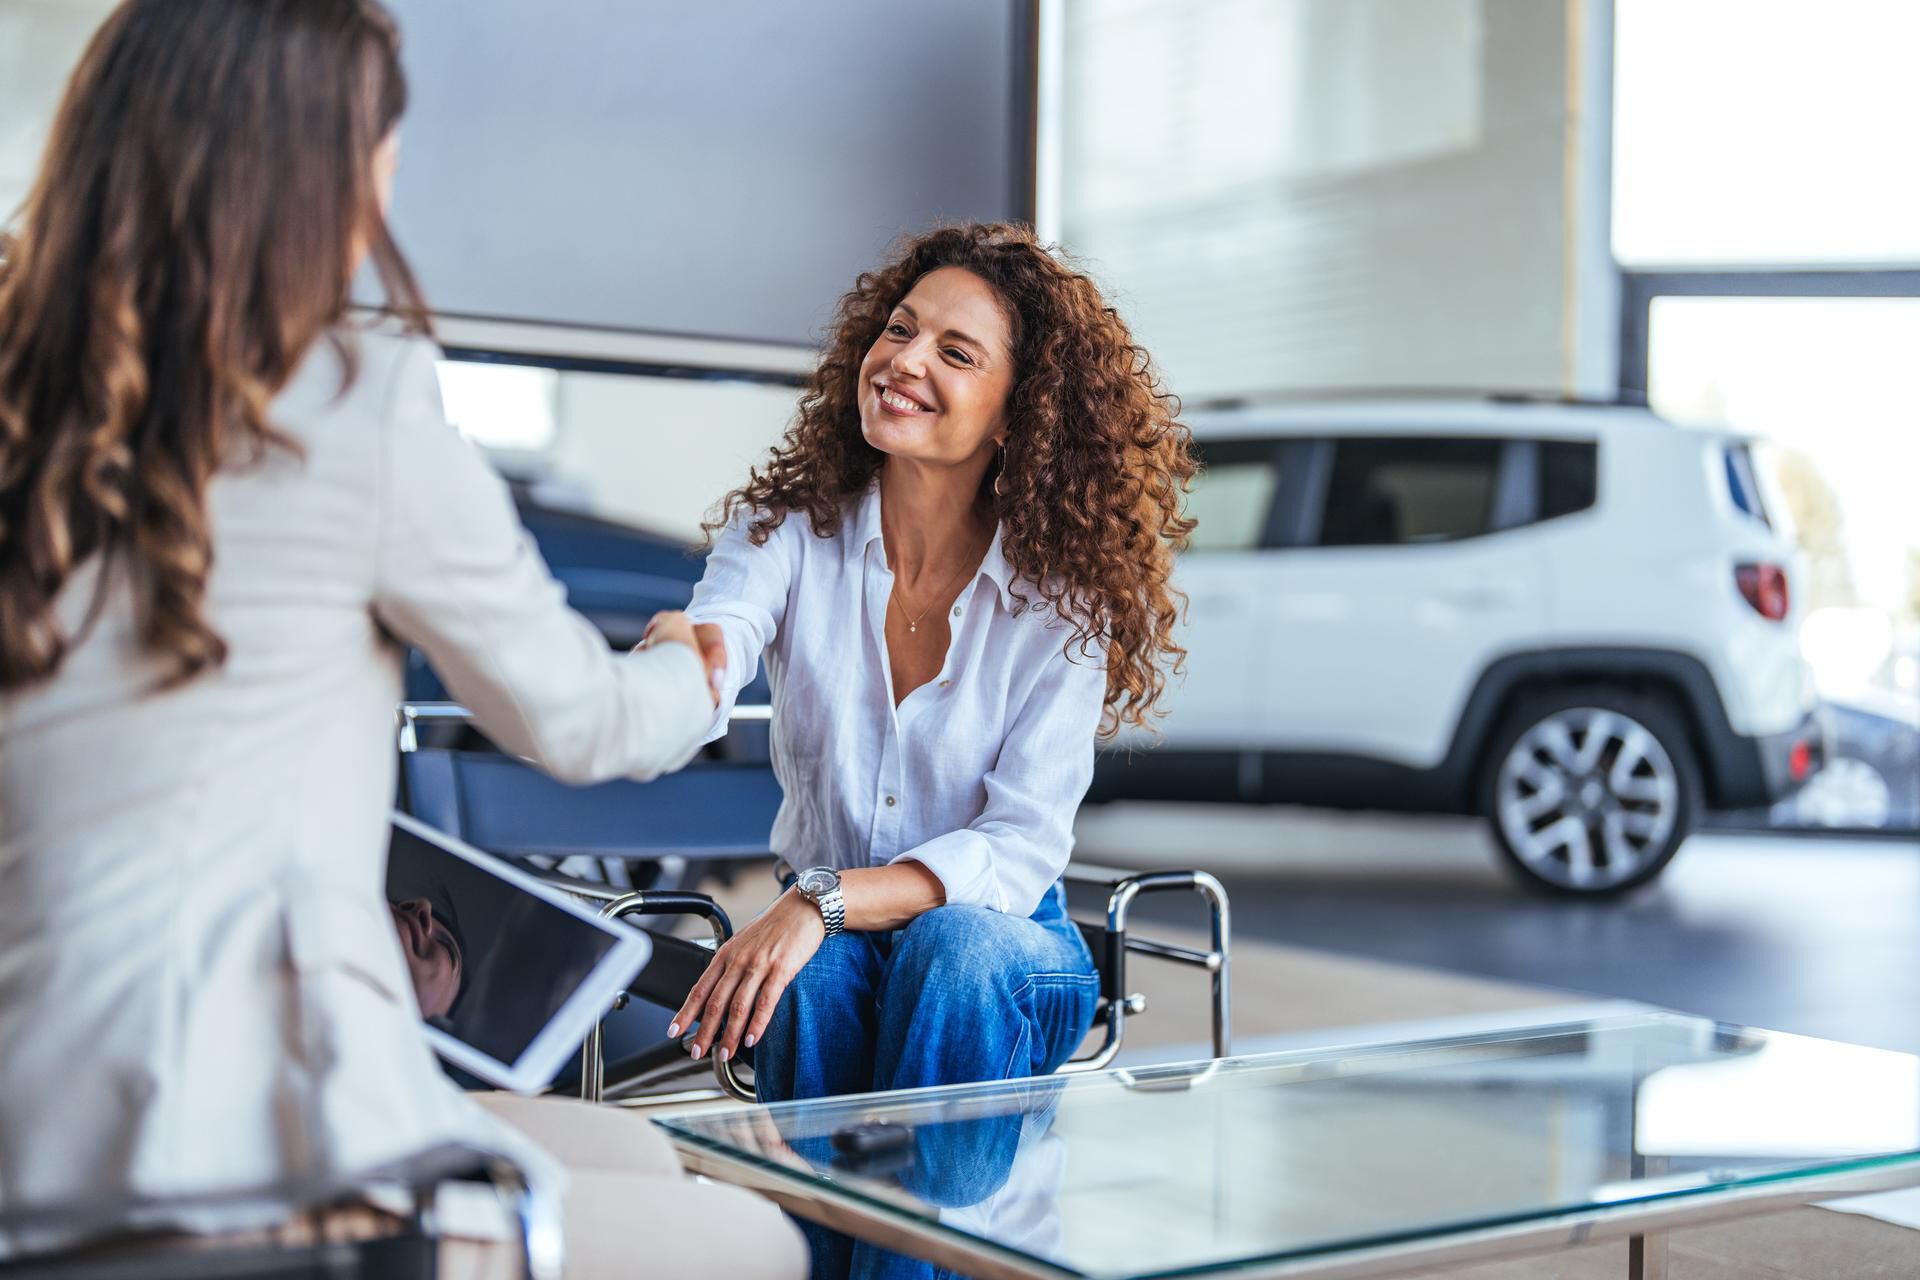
[[1623, 399]]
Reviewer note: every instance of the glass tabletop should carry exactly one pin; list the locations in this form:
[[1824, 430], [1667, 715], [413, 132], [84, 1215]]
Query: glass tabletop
[[1211, 1168]]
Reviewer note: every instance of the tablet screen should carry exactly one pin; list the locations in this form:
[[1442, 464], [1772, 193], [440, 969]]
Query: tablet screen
[[510, 974]]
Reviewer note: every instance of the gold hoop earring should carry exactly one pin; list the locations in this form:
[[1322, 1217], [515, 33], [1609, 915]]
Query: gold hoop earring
[[999, 491]]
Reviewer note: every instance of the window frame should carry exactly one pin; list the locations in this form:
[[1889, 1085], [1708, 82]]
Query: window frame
[[1638, 289]]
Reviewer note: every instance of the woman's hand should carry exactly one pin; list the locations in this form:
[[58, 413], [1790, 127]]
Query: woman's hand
[[704, 638], [736, 996]]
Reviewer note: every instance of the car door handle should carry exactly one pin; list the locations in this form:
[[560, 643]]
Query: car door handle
[[1479, 599]]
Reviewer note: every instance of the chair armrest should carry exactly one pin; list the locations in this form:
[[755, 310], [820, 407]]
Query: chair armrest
[[1113, 943], [593, 1060], [411, 715]]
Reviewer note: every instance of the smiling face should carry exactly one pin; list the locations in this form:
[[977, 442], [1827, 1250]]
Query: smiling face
[[433, 956], [934, 385]]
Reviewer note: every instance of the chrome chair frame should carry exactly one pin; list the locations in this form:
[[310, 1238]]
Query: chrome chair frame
[[612, 903], [1117, 1003], [534, 1208]]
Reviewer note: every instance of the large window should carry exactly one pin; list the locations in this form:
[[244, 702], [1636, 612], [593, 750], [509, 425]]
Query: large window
[[1831, 389], [1765, 132], [1768, 214]]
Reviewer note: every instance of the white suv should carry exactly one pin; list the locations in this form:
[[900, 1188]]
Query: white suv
[[1574, 619]]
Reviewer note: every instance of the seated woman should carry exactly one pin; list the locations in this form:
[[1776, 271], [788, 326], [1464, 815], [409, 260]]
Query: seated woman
[[956, 565]]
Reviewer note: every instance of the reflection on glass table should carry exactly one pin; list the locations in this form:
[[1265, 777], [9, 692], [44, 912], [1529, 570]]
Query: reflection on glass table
[[1363, 1160]]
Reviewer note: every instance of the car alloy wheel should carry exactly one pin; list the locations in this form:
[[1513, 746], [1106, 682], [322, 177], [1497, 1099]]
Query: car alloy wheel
[[1587, 798]]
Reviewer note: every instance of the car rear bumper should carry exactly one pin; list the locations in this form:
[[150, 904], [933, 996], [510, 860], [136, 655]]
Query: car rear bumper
[[1787, 760]]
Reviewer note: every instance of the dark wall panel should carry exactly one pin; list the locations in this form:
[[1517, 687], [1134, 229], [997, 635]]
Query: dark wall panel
[[723, 168]]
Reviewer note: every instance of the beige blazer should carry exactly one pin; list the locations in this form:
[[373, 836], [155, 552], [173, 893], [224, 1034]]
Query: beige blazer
[[200, 984]]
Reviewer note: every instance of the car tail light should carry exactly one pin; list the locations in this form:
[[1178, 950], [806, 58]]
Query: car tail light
[[1800, 763], [1765, 587]]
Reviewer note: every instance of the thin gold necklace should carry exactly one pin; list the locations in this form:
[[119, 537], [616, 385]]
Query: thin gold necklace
[[913, 622]]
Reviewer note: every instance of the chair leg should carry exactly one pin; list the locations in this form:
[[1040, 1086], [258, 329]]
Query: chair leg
[[593, 1065]]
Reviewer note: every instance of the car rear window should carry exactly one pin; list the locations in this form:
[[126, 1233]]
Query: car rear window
[[1569, 477], [1743, 484]]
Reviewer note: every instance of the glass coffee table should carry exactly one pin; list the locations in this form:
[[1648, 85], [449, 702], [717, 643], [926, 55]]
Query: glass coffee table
[[1362, 1160]]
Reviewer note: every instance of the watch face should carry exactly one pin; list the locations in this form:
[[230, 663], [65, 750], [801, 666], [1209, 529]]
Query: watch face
[[817, 881]]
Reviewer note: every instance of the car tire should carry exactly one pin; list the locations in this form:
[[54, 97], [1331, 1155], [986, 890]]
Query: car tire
[[1589, 791]]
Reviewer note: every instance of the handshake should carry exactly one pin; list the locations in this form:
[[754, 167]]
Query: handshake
[[673, 627]]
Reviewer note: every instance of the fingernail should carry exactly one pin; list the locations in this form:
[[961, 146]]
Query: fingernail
[[673, 1030], [749, 1040], [725, 1054], [696, 1051]]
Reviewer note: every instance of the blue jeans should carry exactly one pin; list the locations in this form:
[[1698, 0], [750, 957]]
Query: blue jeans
[[961, 994]]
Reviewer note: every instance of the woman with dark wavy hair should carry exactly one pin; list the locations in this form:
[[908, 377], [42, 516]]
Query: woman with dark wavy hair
[[956, 566], [223, 510]]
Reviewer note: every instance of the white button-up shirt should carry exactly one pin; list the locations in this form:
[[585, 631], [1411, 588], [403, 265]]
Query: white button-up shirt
[[976, 774]]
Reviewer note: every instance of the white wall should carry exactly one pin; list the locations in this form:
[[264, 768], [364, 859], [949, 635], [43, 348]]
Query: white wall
[[1294, 194], [40, 40]]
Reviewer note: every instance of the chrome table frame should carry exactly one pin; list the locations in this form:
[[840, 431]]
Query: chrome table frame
[[1643, 1224]]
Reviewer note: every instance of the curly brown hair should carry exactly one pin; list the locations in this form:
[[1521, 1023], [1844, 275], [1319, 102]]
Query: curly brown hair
[[1095, 464]]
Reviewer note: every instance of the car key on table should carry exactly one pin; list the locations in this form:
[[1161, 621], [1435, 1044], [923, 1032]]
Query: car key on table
[[871, 1138], [873, 1149]]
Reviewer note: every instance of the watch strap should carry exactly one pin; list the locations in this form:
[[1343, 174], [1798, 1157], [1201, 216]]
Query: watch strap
[[833, 910], [832, 904]]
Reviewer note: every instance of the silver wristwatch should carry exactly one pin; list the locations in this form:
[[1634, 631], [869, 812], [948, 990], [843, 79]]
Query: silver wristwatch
[[821, 887]]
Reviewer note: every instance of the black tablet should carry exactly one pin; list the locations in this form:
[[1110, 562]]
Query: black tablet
[[510, 975]]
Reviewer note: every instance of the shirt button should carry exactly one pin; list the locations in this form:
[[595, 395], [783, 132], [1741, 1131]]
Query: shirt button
[[890, 802], [945, 683], [956, 611]]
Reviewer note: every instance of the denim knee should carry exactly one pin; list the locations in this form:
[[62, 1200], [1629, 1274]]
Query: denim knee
[[957, 949], [819, 1041], [838, 977]]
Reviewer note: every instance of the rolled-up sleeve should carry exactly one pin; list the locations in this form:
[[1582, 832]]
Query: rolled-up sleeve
[[1008, 857], [457, 575], [744, 593]]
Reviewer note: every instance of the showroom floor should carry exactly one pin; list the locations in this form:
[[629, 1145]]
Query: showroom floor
[[1352, 927], [1814, 935]]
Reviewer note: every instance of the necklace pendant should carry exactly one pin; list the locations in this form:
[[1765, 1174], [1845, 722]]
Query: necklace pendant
[[913, 627]]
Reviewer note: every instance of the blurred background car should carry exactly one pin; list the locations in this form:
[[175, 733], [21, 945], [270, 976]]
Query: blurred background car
[[1871, 781], [1575, 619]]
